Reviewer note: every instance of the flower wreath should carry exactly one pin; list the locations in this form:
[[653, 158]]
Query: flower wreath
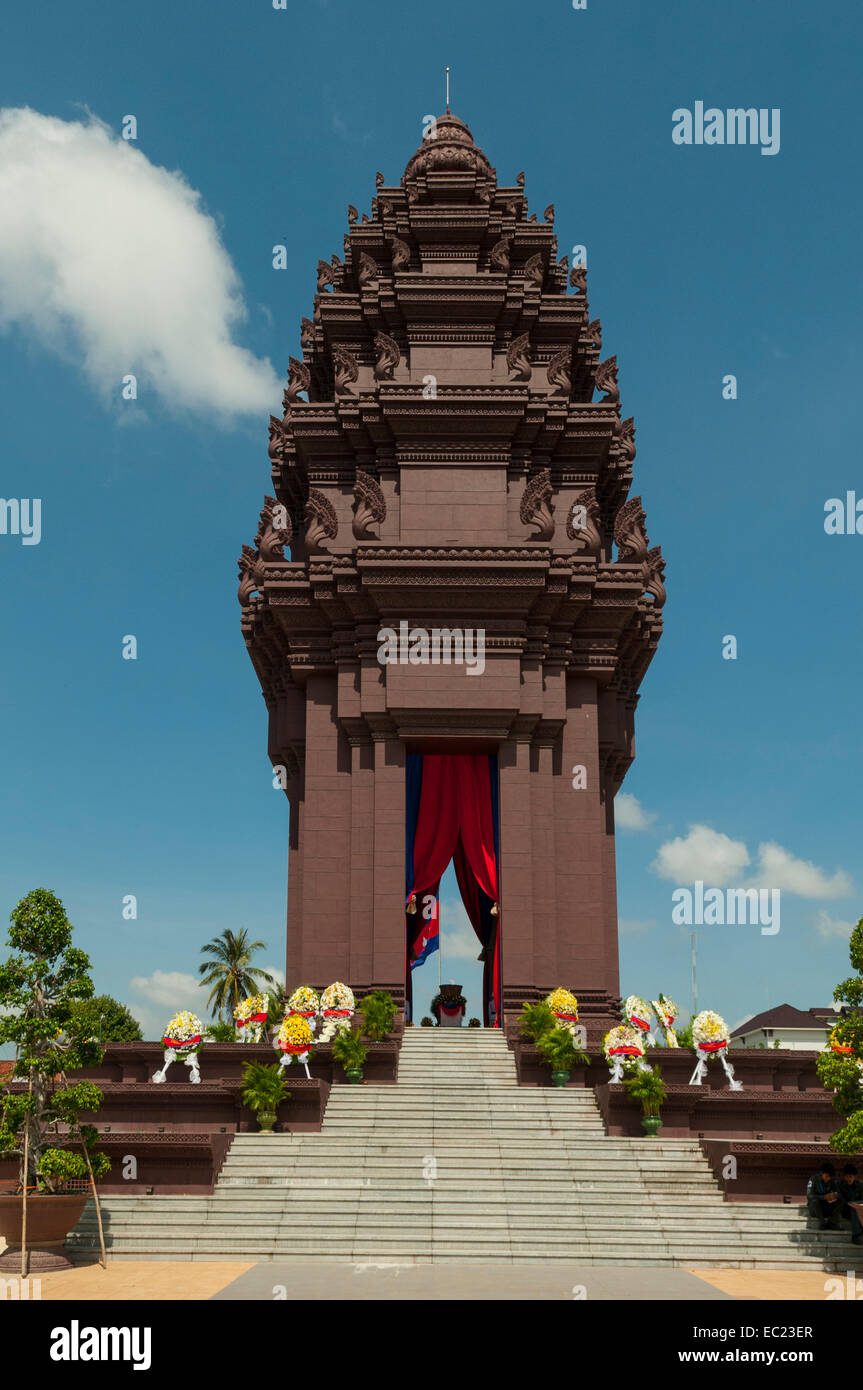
[[337, 1007], [184, 1034], [253, 1009], [623, 1047], [563, 1005], [304, 1001], [294, 1038], [666, 1012], [636, 1012], [710, 1038]]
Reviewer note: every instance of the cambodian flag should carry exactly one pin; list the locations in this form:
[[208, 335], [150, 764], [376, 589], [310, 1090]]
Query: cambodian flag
[[427, 941]]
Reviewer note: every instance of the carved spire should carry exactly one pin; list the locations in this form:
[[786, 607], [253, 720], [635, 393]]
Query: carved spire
[[379, 180], [388, 356], [534, 272], [352, 214], [345, 370], [274, 531], [583, 523], [606, 380], [499, 255], [322, 521], [251, 575], [401, 254], [625, 439], [578, 279], [548, 215], [369, 506], [368, 272], [558, 373], [593, 334], [299, 379], [656, 576], [536, 509], [277, 440], [630, 535], [517, 359], [325, 276]]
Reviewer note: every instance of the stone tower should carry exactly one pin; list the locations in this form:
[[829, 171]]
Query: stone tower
[[441, 461]]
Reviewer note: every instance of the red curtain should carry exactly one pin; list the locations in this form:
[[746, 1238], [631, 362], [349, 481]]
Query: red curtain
[[455, 819]]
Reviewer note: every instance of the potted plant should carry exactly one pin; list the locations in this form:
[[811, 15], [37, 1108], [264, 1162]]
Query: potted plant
[[474, 1023], [263, 1091], [39, 986], [350, 1051], [378, 1014], [536, 1019], [648, 1087], [427, 1022], [558, 1050]]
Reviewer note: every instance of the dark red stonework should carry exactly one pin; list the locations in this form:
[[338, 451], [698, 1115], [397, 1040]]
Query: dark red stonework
[[450, 430]]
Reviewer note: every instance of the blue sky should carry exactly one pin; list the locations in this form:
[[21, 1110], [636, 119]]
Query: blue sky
[[151, 777]]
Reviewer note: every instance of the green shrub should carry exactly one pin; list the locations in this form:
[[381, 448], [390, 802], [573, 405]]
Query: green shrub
[[349, 1050], [427, 1022], [558, 1050], [535, 1020], [263, 1086], [378, 1013], [648, 1088]]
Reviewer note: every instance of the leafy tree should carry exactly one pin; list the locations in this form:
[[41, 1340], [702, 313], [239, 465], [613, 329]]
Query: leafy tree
[[536, 1019], [229, 973], [842, 1072], [107, 1014], [40, 986], [377, 1012], [220, 1032]]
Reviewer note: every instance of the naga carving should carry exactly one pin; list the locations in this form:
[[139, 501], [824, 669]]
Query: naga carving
[[352, 214], [278, 438], [379, 179], [274, 531], [401, 254], [534, 272], [517, 359], [606, 380], [578, 279], [367, 275], [558, 373], [326, 274], [251, 575], [536, 509], [548, 215], [499, 255], [369, 506], [299, 379], [630, 535], [593, 334], [388, 356], [345, 370], [656, 576], [625, 440], [583, 523], [307, 333], [322, 521]]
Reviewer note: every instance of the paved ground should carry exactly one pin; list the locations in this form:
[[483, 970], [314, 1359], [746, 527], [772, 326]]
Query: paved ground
[[228, 1280]]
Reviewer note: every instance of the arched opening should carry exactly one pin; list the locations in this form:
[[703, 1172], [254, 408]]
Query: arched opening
[[452, 815]]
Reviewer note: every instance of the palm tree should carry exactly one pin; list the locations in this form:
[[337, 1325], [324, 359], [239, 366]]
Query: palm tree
[[230, 973]]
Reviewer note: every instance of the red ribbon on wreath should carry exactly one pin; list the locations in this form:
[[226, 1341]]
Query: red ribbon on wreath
[[296, 1049], [627, 1051], [640, 1023], [567, 1018], [713, 1046], [337, 1013], [840, 1047], [186, 1042], [253, 1018], [302, 1013]]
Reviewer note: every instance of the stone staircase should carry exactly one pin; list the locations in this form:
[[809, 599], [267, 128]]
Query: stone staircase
[[457, 1163]]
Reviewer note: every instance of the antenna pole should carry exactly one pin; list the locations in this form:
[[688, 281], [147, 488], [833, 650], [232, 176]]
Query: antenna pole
[[447, 91]]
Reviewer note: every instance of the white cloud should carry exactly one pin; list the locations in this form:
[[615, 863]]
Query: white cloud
[[172, 988], [703, 853], [831, 928], [718, 860], [459, 941], [111, 260], [629, 814], [634, 926], [777, 868]]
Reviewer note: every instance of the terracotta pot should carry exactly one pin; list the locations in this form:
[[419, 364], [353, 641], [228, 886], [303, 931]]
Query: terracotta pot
[[49, 1221]]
